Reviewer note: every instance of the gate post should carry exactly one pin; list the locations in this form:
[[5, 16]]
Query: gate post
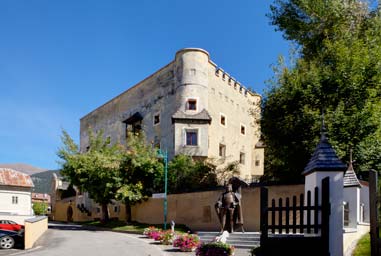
[[264, 216], [373, 194], [325, 163]]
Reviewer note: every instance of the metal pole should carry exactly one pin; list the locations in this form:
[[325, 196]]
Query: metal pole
[[165, 187]]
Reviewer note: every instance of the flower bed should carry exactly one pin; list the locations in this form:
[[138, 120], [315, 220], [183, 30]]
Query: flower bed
[[186, 242], [214, 249], [152, 232], [167, 237]]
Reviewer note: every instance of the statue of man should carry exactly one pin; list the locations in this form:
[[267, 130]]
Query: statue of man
[[226, 207]]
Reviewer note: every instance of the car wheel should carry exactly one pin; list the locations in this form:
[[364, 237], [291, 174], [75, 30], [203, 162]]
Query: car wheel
[[7, 242]]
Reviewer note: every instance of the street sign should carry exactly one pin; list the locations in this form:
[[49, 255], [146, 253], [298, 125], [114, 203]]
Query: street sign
[[158, 195]]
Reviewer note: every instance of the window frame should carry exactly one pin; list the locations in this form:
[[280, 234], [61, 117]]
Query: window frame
[[15, 200], [242, 158], [225, 120], [157, 114], [223, 147], [193, 99], [244, 129], [189, 130]]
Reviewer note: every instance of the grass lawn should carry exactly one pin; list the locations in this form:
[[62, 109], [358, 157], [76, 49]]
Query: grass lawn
[[135, 227], [363, 246]]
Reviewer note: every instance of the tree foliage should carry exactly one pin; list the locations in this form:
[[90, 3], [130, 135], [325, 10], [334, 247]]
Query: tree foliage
[[186, 175], [141, 171], [96, 171], [338, 70]]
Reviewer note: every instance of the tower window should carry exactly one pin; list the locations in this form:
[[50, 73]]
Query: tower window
[[243, 129], [192, 104], [222, 120], [222, 150], [156, 119], [191, 137], [242, 158]]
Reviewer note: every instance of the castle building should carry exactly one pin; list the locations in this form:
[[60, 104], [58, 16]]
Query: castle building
[[190, 106]]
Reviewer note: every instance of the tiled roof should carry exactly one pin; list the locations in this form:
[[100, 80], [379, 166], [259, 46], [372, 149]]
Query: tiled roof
[[11, 177], [260, 144], [201, 116], [350, 178], [324, 158]]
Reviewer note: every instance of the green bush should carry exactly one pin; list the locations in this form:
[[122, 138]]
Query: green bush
[[214, 249], [40, 208]]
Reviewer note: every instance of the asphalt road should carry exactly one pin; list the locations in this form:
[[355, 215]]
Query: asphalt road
[[73, 240]]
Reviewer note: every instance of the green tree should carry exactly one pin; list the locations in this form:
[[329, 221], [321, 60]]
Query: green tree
[[186, 175], [141, 171], [40, 208], [96, 171], [338, 70]]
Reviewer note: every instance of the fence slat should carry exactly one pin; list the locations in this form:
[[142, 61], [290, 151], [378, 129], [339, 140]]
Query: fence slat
[[301, 213], [316, 211], [308, 212], [280, 216], [294, 214], [273, 216], [287, 215]]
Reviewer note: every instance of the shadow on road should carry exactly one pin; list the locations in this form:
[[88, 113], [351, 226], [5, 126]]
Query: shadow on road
[[69, 226]]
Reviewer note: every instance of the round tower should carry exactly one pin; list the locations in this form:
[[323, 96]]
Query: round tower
[[191, 78]]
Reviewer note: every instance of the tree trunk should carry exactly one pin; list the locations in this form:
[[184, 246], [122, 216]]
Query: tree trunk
[[128, 211], [105, 216]]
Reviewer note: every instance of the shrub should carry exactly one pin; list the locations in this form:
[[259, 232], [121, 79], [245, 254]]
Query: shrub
[[214, 249], [40, 208]]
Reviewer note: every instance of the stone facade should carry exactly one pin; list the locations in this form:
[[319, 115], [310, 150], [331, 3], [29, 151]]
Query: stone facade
[[190, 106]]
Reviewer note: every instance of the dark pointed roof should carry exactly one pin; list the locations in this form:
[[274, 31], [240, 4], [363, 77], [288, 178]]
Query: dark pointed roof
[[260, 144], [350, 177], [134, 118], [324, 158]]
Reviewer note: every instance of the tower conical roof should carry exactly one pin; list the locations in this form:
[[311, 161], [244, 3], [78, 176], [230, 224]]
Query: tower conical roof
[[324, 158], [350, 177]]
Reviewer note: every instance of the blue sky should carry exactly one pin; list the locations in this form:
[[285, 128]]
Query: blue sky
[[60, 60]]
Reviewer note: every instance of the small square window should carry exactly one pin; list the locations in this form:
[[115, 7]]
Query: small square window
[[243, 129], [116, 209], [242, 158], [222, 150], [191, 138], [192, 104], [257, 162], [222, 120], [15, 200], [156, 119]]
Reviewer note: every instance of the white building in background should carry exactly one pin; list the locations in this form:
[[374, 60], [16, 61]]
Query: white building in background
[[15, 195], [356, 200]]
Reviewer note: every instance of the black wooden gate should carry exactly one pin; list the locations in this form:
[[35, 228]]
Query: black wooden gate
[[374, 214], [292, 228]]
